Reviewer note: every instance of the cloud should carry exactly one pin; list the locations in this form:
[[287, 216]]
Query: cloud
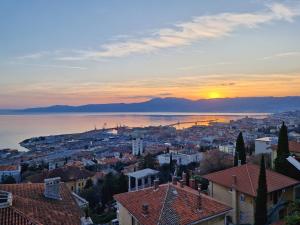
[[50, 66], [186, 33], [282, 55]]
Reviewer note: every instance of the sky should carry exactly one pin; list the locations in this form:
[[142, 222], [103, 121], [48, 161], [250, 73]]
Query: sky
[[80, 52]]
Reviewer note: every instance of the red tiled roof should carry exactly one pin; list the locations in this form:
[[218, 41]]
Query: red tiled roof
[[8, 167], [247, 179], [68, 173], [169, 204], [294, 146], [31, 207]]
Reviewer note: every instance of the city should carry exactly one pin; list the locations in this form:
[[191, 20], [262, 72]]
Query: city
[[136, 112]]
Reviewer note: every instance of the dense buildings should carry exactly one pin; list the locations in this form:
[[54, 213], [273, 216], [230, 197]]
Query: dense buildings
[[237, 187], [10, 170]]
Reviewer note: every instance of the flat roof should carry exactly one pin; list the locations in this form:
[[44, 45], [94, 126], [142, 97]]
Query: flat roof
[[143, 173]]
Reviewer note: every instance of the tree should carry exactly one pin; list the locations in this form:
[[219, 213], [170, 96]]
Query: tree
[[240, 148], [283, 152], [121, 184], [294, 214], [148, 161], [261, 198], [236, 159], [215, 160], [108, 189], [88, 184], [8, 179]]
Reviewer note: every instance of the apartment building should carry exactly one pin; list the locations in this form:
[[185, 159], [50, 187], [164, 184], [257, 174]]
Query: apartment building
[[237, 187]]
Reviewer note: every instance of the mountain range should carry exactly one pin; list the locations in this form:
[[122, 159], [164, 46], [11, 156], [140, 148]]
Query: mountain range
[[221, 105]]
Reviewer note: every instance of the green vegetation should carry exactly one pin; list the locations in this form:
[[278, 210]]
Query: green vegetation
[[261, 199], [100, 196], [281, 164], [8, 179], [148, 161], [294, 214], [240, 150]]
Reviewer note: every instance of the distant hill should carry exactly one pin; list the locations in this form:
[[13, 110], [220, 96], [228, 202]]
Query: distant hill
[[222, 105]]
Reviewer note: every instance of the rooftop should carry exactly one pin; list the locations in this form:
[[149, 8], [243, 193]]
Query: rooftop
[[170, 204], [8, 167], [67, 173], [247, 179], [143, 173], [30, 207]]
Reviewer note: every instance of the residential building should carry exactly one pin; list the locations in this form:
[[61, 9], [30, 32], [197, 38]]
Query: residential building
[[237, 187], [228, 148], [169, 204], [49, 203], [184, 157], [141, 179], [10, 170], [137, 146], [294, 148], [264, 145], [74, 177]]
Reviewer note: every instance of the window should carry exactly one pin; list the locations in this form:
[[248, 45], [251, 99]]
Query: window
[[242, 197], [242, 216], [133, 221]]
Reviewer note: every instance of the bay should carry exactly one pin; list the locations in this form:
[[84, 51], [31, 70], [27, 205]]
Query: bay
[[16, 128]]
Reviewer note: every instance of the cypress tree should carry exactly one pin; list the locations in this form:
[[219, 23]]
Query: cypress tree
[[240, 148], [236, 159], [283, 142], [282, 151], [261, 198]]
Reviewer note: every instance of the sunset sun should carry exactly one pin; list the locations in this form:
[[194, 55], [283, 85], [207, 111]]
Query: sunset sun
[[213, 95]]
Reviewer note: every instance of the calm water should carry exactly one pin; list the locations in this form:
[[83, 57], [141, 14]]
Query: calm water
[[15, 128]]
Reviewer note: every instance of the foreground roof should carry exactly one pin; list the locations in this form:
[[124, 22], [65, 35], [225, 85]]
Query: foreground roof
[[170, 204], [247, 179], [29, 206]]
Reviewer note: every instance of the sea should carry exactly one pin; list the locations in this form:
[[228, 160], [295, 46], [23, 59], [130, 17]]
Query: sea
[[16, 128]]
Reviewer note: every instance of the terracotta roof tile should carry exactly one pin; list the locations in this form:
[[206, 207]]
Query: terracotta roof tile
[[247, 179], [294, 146], [28, 200], [68, 173], [8, 167], [169, 204]]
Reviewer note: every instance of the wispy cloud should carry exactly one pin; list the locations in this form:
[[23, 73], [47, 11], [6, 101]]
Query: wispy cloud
[[282, 55], [192, 67], [49, 66], [186, 33]]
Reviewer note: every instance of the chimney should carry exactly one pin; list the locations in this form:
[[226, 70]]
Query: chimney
[[193, 183], [145, 209], [199, 197], [239, 162], [181, 183], [234, 180], [184, 178], [156, 184], [52, 188], [174, 180]]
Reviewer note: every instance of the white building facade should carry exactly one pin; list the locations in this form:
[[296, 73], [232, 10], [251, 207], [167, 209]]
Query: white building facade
[[264, 145], [182, 158], [137, 146], [14, 171]]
